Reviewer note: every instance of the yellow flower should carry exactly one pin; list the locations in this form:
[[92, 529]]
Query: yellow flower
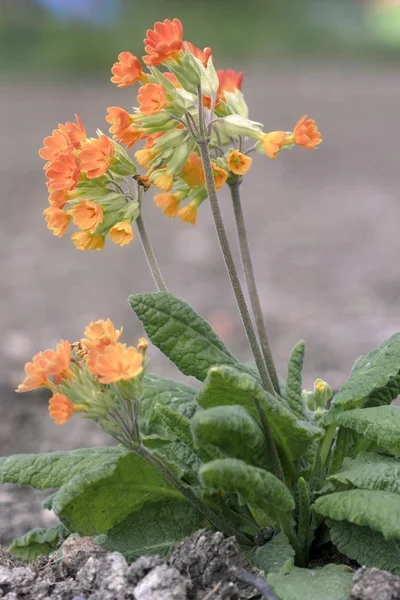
[[121, 233], [189, 213], [83, 240], [169, 203]]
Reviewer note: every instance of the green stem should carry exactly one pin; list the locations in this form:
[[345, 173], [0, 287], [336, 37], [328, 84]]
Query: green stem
[[210, 515], [252, 285], [326, 443], [362, 445], [150, 256]]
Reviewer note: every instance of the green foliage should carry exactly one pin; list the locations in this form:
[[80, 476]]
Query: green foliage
[[378, 510], [370, 471], [38, 542], [332, 582], [180, 333], [153, 529], [233, 431], [367, 547], [294, 382], [254, 485], [273, 555], [379, 424], [370, 373]]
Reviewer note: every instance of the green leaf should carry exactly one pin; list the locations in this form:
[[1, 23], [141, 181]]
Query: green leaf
[[332, 582], [233, 431], [294, 383], [384, 395], [154, 529], [180, 333], [179, 397], [367, 547], [227, 386], [38, 542], [52, 470], [254, 485], [370, 471], [273, 555], [370, 373], [380, 424], [378, 510], [96, 499]]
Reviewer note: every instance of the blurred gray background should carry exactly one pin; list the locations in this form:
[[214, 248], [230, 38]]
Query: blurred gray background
[[323, 225]]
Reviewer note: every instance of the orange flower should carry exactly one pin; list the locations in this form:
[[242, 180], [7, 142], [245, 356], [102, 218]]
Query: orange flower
[[96, 156], [144, 157], [58, 198], [306, 133], [162, 180], [121, 233], [272, 143], [192, 171], [189, 213], [57, 220], [238, 162], [169, 203], [83, 240], [36, 372], [100, 333], [55, 144], [61, 409], [163, 42], [122, 126], [151, 139], [127, 70], [59, 362], [172, 78], [116, 362], [63, 172], [87, 215], [229, 81], [76, 132], [142, 344], [151, 98], [220, 176], [202, 55]]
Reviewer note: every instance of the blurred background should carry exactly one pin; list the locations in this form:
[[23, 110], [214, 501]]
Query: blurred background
[[323, 225]]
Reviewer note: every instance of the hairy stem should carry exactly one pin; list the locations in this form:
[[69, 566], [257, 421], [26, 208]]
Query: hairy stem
[[149, 252], [252, 285], [210, 515], [327, 443]]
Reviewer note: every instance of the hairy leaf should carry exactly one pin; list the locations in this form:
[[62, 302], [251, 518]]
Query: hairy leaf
[[367, 547], [227, 386], [370, 372], [378, 510], [384, 395], [233, 431], [370, 471], [180, 333], [332, 582], [38, 542], [254, 485], [96, 499], [273, 555], [154, 529], [294, 383], [179, 397], [380, 424]]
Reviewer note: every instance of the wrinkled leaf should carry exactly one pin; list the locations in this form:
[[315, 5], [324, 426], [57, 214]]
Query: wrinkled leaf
[[38, 542], [154, 529], [294, 383], [273, 555], [227, 386], [332, 582], [378, 510], [180, 333], [370, 471], [384, 395], [370, 372], [380, 424], [367, 547], [233, 431], [254, 485]]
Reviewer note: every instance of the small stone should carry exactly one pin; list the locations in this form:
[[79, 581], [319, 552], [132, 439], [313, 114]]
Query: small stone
[[87, 574], [143, 565], [75, 552], [372, 584], [162, 583]]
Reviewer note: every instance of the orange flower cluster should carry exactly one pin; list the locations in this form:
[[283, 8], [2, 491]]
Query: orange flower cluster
[[82, 173], [81, 370]]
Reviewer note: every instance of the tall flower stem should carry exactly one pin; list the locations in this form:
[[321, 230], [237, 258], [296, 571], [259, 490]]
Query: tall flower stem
[[251, 283], [148, 250]]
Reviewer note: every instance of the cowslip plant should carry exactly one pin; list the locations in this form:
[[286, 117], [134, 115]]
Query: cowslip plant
[[253, 455]]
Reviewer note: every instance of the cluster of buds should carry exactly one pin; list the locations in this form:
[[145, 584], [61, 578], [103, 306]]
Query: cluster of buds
[[182, 100], [93, 376], [318, 399]]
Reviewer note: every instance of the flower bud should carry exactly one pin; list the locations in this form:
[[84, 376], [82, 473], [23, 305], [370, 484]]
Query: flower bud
[[322, 393], [235, 101], [235, 125]]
